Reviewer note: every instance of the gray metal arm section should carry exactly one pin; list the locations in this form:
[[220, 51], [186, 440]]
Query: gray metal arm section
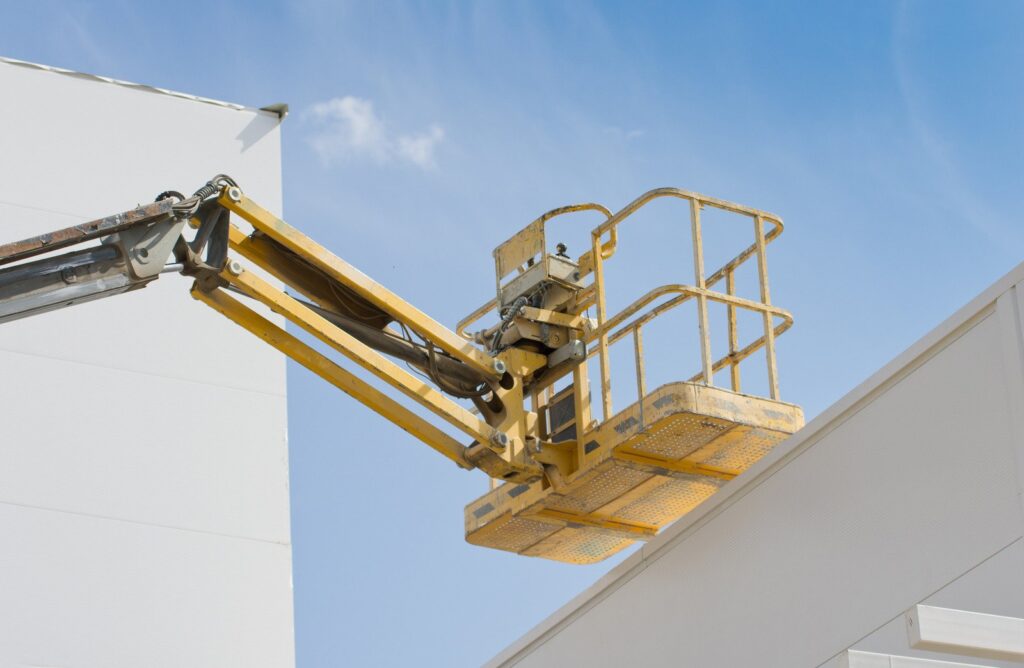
[[136, 246]]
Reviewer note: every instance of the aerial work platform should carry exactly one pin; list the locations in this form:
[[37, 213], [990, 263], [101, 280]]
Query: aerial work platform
[[566, 484], [642, 468]]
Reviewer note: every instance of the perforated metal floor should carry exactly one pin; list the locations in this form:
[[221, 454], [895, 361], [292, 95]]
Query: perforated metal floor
[[635, 478]]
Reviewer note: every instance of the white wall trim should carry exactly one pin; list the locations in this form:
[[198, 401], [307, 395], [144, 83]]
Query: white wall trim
[[855, 659], [965, 633], [142, 87]]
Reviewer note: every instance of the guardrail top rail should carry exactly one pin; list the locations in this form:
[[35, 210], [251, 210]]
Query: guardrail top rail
[[699, 291]]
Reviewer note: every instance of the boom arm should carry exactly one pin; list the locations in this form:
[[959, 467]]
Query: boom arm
[[342, 307], [565, 468]]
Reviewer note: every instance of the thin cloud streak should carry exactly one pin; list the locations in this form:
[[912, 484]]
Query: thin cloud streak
[[973, 209], [349, 128]]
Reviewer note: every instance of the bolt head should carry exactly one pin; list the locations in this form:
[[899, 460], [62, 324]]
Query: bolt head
[[235, 194], [235, 267], [499, 366], [500, 439]]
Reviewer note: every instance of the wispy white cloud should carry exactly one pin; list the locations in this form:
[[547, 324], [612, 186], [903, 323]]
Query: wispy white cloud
[[349, 128], [74, 30], [941, 163], [419, 149]]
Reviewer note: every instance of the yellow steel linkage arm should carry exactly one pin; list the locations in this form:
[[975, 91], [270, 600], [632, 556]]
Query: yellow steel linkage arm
[[498, 441], [355, 387], [375, 293]]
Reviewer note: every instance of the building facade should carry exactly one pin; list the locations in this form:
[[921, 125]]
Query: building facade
[[909, 491], [143, 453]]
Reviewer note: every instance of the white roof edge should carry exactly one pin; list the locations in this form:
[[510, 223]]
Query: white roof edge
[[279, 110], [780, 456]]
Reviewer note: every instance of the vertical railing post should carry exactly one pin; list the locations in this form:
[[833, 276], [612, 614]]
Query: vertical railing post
[[641, 381], [734, 364], [602, 339], [581, 405], [769, 329], [702, 300]]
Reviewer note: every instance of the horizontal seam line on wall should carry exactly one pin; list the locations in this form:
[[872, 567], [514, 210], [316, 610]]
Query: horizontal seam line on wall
[[145, 373], [44, 210], [156, 525]]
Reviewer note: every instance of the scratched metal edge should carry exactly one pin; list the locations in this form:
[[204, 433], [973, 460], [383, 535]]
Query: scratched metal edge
[[69, 236]]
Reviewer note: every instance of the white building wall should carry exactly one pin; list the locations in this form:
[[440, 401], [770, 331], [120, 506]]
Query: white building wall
[[143, 454], [908, 490]]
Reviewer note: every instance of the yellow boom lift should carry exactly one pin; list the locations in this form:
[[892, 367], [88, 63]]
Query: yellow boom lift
[[565, 485]]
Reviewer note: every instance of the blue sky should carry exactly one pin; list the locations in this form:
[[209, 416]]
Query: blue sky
[[886, 134]]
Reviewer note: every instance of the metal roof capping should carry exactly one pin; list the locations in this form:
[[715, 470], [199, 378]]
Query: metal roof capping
[[280, 110]]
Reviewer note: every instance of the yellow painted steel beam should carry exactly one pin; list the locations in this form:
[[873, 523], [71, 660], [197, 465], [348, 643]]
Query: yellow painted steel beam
[[285, 267], [582, 406], [702, 300], [602, 327], [641, 375], [380, 366], [684, 293], [639, 492], [630, 208], [360, 283], [740, 355], [633, 531], [769, 330], [555, 318], [473, 317], [355, 387], [734, 369], [679, 466]]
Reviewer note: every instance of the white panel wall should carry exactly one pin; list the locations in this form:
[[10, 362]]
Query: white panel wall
[[908, 490], [143, 452]]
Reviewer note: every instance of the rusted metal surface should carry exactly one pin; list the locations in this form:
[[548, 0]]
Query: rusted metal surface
[[94, 229]]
